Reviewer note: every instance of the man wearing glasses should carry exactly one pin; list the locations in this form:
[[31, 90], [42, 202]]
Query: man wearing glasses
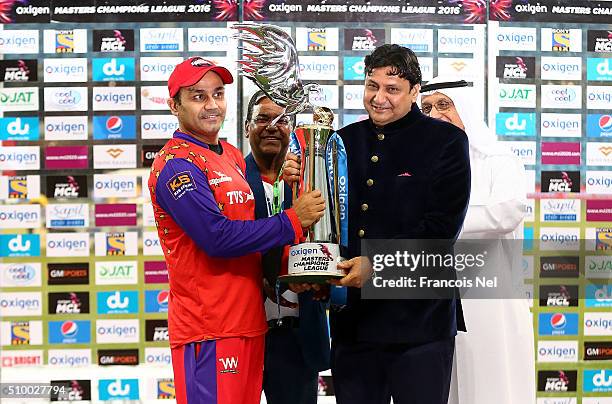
[[297, 343], [408, 178], [204, 212]]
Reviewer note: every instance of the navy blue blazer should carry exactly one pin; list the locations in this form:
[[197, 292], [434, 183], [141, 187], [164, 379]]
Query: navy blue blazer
[[312, 333], [407, 180]]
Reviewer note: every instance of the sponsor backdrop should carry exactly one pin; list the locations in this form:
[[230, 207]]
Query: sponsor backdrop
[[83, 296]]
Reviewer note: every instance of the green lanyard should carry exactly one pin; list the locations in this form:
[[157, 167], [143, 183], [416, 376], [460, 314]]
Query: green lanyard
[[276, 202]]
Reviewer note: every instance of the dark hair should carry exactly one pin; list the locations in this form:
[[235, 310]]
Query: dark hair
[[402, 61], [177, 97], [256, 99]]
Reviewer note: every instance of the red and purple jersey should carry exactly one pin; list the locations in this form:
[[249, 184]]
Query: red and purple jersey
[[204, 211]]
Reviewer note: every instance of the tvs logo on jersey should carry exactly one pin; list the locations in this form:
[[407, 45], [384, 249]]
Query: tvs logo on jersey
[[515, 67], [70, 332], [69, 303], [115, 244], [21, 70], [363, 39], [113, 40], [71, 390], [165, 389], [558, 324], [560, 181], [559, 295], [156, 301], [180, 184], [557, 380]]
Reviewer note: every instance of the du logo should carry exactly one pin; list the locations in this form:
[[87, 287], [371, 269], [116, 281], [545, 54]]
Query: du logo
[[513, 123], [165, 389], [599, 69], [114, 301], [317, 39], [20, 333], [111, 69], [64, 42], [603, 68], [118, 389], [18, 188], [115, 244], [15, 127], [17, 245]]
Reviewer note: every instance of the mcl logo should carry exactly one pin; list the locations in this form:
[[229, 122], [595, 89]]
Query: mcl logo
[[119, 389], [354, 68], [598, 296], [156, 301], [70, 332], [118, 302], [599, 125], [19, 245], [20, 128], [114, 127], [113, 69], [599, 69], [558, 324], [597, 381], [515, 124]]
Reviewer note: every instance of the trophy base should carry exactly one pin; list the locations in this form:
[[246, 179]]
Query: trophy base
[[313, 263], [308, 278]]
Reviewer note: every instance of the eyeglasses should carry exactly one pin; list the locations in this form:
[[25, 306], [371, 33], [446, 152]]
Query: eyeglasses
[[441, 106], [264, 120]]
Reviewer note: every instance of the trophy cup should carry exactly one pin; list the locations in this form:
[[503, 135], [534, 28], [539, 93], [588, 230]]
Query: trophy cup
[[270, 61]]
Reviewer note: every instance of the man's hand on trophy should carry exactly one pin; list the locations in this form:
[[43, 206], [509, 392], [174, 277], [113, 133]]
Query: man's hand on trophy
[[319, 291], [359, 270], [291, 169], [309, 207]]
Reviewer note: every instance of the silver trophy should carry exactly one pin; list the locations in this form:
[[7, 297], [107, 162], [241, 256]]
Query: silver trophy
[[270, 60]]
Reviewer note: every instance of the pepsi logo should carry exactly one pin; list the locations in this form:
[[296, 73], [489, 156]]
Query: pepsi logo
[[114, 124], [69, 329], [162, 298], [558, 321], [605, 123]]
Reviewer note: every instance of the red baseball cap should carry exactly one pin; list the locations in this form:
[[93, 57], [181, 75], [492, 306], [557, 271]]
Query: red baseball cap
[[190, 71]]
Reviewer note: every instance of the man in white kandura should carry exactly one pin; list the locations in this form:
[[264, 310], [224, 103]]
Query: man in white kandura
[[494, 362]]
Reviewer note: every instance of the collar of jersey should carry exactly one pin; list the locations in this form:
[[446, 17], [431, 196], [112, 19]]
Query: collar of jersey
[[184, 136]]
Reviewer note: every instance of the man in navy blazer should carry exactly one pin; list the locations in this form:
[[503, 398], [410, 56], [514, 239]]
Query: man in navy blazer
[[408, 178], [297, 346]]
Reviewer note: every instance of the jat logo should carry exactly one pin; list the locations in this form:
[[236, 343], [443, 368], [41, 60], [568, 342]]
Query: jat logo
[[64, 41], [317, 39], [20, 333], [115, 244]]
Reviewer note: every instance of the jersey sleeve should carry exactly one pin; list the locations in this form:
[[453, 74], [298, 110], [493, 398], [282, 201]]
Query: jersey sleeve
[[195, 210]]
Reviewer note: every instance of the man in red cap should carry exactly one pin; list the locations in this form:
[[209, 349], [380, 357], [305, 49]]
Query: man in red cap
[[204, 212]]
